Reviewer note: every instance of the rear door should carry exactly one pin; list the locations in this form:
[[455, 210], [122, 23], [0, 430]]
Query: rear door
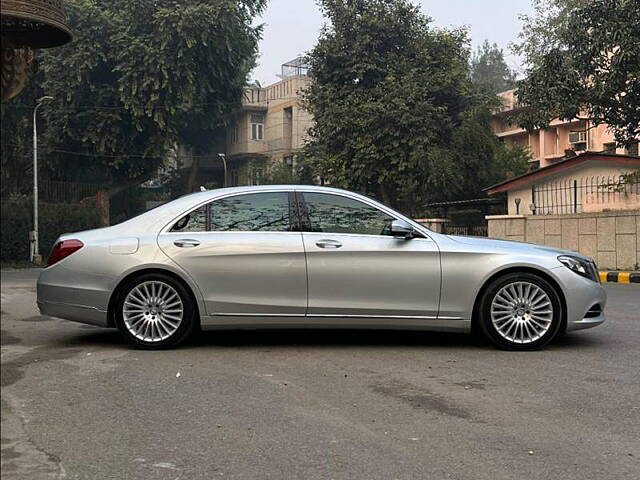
[[245, 253], [357, 269]]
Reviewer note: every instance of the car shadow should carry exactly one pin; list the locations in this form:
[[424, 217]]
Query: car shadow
[[331, 338], [238, 338], [578, 340], [319, 338]]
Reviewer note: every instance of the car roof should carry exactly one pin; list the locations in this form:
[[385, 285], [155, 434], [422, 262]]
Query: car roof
[[197, 197]]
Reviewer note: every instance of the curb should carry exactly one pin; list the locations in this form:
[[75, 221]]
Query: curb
[[619, 277]]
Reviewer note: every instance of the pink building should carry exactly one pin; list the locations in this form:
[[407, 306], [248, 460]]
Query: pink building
[[551, 145]]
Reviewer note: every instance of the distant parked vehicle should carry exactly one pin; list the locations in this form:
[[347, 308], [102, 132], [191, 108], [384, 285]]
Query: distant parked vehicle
[[305, 256]]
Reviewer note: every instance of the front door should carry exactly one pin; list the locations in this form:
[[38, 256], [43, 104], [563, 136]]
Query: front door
[[244, 254], [357, 269]]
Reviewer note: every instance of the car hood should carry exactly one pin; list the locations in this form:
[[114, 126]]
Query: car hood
[[499, 244]]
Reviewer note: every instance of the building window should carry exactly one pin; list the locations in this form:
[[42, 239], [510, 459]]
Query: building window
[[578, 139], [632, 149], [609, 147], [235, 134], [257, 127]]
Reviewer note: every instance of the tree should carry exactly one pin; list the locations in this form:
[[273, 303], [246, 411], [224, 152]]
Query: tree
[[388, 93], [489, 71], [16, 155], [280, 173], [139, 78], [481, 158], [396, 113], [583, 61]]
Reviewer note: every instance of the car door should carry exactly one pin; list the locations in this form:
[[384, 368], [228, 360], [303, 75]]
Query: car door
[[355, 267], [244, 252]]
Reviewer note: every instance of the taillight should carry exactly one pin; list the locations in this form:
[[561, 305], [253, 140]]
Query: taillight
[[63, 249]]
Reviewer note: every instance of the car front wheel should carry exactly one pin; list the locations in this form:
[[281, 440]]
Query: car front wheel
[[155, 311], [520, 311]]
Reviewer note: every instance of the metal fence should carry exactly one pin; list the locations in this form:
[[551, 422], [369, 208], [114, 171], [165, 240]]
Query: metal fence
[[51, 191], [66, 192], [574, 196], [466, 230]]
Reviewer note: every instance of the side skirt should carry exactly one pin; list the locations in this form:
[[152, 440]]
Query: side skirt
[[442, 324]]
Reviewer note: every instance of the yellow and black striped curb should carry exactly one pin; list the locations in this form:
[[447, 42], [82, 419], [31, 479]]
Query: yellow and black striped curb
[[619, 277]]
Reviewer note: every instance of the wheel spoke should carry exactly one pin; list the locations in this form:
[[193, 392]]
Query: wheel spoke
[[521, 312], [152, 311], [162, 327], [506, 324]]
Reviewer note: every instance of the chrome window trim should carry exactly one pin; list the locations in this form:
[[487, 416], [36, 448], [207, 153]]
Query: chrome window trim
[[360, 235], [332, 315], [228, 232]]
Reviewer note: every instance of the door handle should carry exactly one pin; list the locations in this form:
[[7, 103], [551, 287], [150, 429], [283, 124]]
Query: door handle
[[328, 244], [186, 243]]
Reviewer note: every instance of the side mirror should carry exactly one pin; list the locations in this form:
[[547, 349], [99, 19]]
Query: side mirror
[[400, 228]]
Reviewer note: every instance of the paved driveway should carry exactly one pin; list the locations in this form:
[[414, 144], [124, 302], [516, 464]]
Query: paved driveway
[[78, 403]]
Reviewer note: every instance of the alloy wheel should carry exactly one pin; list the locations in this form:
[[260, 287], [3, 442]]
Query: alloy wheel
[[521, 312], [152, 311]]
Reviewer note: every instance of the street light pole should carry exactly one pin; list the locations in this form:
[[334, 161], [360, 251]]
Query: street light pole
[[35, 254], [223, 157]]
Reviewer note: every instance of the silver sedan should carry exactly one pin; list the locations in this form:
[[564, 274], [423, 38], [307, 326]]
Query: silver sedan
[[304, 256]]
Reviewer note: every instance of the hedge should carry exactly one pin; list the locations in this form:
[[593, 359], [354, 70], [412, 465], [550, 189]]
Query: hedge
[[54, 220]]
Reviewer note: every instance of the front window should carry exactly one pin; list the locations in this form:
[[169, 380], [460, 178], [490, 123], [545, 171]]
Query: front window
[[256, 212], [337, 214], [257, 127]]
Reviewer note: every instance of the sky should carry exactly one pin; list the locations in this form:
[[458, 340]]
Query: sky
[[291, 27]]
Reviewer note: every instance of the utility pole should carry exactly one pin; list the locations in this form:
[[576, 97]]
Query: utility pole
[[35, 250]]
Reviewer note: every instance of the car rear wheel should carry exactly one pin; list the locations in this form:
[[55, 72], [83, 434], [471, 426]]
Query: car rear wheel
[[520, 311], [155, 311]]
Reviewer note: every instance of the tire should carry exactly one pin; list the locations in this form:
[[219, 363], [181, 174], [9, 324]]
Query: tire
[[159, 312], [520, 311]]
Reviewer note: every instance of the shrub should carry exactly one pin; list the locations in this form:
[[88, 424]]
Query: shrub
[[54, 220]]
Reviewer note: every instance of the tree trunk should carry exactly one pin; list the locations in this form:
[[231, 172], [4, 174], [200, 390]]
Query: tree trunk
[[384, 192], [102, 199], [193, 173]]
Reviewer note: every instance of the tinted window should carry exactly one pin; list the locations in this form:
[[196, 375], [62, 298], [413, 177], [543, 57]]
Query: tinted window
[[337, 214], [266, 212], [195, 221]]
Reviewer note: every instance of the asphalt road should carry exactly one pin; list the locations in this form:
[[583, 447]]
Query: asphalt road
[[79, 403]]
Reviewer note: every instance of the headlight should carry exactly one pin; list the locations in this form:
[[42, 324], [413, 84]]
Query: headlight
[[582, 267]]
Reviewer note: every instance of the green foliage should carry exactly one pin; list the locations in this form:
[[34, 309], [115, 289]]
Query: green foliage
[[582, 56], [624, 182], [54, 220], [481, 158], [510, 160], [388, 93], [16, 154], [489, 71], [396, 114], [279, 173], [138, 78]]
